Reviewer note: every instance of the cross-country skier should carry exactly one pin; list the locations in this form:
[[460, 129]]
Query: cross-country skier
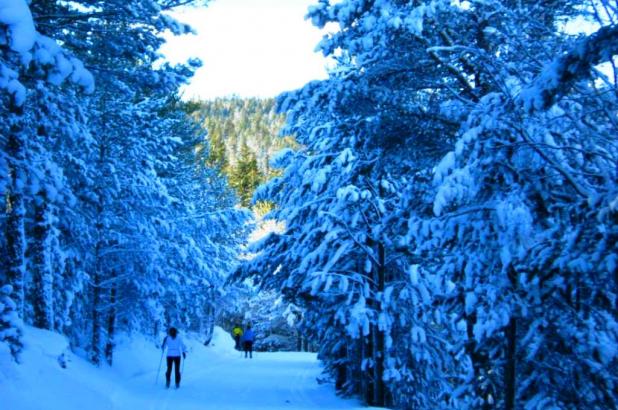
[[175, 348], [237, 332], [248, 338]]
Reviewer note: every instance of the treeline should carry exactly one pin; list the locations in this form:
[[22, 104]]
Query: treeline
[[243, 134], [110, 222], [451, 221]]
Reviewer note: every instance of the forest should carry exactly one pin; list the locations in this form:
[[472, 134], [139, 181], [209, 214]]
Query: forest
[[447, 197], [108, 223], [243, 134]]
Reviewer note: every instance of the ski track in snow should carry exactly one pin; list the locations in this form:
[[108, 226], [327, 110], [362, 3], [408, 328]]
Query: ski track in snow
[[268, 381]]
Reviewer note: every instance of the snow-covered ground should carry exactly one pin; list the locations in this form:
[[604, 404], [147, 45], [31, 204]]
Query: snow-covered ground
[[215, 377]]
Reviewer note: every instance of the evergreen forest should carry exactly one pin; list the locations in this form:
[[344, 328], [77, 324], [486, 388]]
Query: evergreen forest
[[243, 134], [438, 219]]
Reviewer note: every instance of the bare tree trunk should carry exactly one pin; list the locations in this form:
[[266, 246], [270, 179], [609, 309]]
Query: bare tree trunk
[[350, 359], [369, 368]]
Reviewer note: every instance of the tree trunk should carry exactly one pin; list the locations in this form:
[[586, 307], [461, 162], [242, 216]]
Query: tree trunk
[[379, 336], [479, 363], [42, 275], [364, 382], [95, 356], [210, 322], [97, 277], [62, 301], [341, 377], [510, 366], [111, 327], [350, 359], [15, 236]]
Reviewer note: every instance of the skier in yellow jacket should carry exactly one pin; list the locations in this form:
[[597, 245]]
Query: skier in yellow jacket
[[237, 333]]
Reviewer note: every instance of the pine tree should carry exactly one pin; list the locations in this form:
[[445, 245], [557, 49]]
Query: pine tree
[[239, 132], [245, 176], [107, 204], [441, 180]]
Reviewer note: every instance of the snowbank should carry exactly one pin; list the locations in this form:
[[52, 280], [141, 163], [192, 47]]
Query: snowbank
[[51, 376], [40, 379]]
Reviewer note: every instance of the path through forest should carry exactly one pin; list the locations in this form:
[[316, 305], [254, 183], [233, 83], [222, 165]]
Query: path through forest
[[268, 381], [215, 377]]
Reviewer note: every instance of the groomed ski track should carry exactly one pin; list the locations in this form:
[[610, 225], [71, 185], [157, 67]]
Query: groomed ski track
[[268, 381]]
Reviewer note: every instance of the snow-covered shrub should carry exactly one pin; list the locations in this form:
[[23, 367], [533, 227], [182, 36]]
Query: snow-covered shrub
[[10, 323]]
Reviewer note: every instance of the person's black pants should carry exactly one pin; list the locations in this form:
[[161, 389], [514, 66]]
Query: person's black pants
[[237, 339], [176, 362], [248, 348]]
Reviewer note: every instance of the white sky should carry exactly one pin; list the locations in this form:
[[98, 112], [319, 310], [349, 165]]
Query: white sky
[[249, 48]]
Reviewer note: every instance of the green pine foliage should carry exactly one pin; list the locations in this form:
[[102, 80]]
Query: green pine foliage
[[245, 176], [243, 134]]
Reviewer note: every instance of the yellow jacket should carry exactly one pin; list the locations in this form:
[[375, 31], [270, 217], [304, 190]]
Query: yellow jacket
[[237, 331]]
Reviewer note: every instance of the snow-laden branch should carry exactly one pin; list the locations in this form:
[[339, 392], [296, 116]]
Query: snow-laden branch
[[30, 48], [559, 76], [556, 165]]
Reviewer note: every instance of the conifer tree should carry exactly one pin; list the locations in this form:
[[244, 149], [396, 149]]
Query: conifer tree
[[442, 178], [245, 176]]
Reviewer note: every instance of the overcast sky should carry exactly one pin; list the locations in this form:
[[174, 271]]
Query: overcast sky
[[249, 48]]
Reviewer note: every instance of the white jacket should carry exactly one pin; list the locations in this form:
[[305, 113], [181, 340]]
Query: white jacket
[[175, 346]]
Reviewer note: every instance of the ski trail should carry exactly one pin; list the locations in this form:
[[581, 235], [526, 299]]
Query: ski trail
[[269, 381], [215, 378]]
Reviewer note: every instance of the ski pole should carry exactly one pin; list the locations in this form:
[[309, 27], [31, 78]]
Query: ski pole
[[159, 370]]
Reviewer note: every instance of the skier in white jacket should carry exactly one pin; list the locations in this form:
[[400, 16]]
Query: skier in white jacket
[[175, 348]]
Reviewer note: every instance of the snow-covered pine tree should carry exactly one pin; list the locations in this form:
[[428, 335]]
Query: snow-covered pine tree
[[339, 198], [469, 267], [201, 232], [102, 200], [514, 180], [25, 51]]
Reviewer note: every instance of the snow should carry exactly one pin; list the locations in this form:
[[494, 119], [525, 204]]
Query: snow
[[22, 37], [16, 15], [214, 377], [444, 167], [18, 91]]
